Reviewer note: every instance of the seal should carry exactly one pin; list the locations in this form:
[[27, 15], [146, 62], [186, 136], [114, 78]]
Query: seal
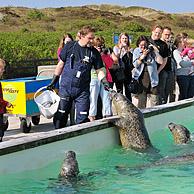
[[132, 130], [68, 177], [70, 168], [177, 160], [180, 133]]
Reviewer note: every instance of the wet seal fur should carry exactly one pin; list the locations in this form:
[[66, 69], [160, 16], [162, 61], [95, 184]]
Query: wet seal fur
[[70, 168], [180, 133], [69, 179], [177, 160], [132, 130]]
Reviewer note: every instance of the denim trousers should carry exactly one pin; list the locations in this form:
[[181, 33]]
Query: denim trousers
[[186, 86], [96, 89], [166, 87]]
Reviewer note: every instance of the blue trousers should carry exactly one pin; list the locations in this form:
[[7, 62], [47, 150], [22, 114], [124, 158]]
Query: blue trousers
[[82, 104], [186, 86]]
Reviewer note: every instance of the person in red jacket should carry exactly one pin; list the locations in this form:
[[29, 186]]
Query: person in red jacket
[[3, 103]]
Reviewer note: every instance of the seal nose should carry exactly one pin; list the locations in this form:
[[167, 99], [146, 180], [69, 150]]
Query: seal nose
[[170, 126]]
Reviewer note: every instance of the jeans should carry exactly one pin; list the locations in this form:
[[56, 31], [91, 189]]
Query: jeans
[[186, 86], [96, 89], [166, 86]]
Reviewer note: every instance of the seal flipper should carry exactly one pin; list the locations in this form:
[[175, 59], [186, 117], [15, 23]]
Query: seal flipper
[[119, 122]]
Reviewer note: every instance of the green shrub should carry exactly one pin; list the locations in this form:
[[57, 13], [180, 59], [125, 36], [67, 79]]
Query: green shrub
[[35, 14], [134, 27]]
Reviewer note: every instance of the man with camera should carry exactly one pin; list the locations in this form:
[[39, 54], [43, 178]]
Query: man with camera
[[155, 39], [168, 76]]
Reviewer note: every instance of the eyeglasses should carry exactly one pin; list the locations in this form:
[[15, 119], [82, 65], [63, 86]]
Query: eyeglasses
[[142, 44], [90, 37]]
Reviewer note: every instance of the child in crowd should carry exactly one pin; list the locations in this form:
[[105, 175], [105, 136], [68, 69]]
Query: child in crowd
[[189, 49], [188, 53], [3, 103]]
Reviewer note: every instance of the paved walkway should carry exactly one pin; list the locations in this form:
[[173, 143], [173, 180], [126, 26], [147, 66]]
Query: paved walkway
[[14, 131]]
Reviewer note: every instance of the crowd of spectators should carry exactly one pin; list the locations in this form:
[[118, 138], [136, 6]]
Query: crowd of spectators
[[156, 65], [87, 70]]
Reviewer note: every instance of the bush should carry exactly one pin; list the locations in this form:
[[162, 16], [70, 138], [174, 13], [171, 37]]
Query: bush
[[35, 14], [24, 46], [134, 27]]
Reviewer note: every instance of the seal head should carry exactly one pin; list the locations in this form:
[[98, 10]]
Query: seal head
[[180, 133], [70, 168]]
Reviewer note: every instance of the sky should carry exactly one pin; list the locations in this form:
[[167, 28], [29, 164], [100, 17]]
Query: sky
[[169, 6]]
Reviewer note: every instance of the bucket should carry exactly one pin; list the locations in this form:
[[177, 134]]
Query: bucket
[[47, 102]]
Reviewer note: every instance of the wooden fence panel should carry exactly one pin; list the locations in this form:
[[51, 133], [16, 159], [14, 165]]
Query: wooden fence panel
[[26, 68]]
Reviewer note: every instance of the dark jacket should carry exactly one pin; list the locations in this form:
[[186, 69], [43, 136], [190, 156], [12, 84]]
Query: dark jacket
[[3, 103], [127, 59]]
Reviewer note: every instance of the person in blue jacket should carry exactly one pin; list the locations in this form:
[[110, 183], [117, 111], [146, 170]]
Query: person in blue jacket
[[76, 60]]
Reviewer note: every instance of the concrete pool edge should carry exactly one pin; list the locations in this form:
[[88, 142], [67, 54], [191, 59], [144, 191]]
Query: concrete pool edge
[[164, 108], [34, 140], [54, 135]]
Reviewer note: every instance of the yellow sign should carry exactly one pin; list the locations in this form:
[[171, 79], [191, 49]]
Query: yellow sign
[[14, 92]]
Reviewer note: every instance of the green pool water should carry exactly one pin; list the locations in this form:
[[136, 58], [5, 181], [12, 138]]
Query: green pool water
[[104, 177]]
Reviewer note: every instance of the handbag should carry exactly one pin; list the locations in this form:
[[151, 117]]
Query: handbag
[[135, 87], [117, 72]]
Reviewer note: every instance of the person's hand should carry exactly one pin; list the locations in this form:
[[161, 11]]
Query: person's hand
[[106, 87], [105, 84], [144, 54], [9, 105], [51, 86], [123, 45]]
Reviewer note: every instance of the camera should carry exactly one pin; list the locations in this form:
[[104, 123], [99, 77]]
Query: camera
[[123, 45], [150, 48]]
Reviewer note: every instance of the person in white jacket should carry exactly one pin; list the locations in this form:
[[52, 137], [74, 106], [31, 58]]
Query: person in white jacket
[[185, 79]]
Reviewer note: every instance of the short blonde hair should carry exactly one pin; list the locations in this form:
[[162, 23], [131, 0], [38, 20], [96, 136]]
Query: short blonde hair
[[86, 30], [99, 41], [2, 63], [190, 42], [182, 35], [157, 26]]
